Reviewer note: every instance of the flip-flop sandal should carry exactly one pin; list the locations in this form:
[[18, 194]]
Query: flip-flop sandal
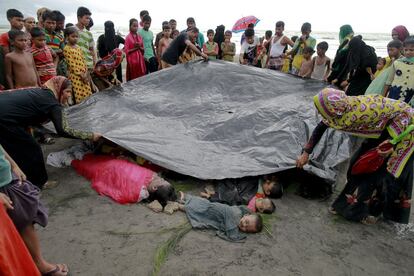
[[50, 185], [57, 271]]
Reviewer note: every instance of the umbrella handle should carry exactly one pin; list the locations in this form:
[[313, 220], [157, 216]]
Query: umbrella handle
[[402, 135]]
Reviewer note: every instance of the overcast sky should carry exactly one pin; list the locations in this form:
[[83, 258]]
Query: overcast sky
[[363, 15]]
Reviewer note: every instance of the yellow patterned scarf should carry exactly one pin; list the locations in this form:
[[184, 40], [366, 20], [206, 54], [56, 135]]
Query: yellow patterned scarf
[[368, 116]]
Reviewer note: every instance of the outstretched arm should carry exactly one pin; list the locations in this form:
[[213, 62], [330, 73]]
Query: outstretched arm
[[313, 141]]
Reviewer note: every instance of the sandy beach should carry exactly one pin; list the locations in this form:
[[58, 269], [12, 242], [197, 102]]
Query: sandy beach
[[96, 236]]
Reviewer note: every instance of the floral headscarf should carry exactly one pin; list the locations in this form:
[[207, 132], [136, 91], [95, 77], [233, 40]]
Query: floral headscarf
[[368, 116], [57, 85]]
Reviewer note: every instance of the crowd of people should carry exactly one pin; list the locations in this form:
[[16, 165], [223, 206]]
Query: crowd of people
[[46, 65]]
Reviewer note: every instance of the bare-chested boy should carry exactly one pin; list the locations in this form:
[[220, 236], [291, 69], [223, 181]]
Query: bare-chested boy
[[164, 42], [20, 67]]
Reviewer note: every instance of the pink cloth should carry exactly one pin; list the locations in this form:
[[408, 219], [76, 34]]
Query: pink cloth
[[402, 32], [252, 204], [118, 179], [135, 59]]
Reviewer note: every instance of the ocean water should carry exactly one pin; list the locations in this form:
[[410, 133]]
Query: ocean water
[[377, 40]]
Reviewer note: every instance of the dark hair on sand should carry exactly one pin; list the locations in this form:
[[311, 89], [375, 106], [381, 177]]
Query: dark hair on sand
[[249, 33], [37, 32], [13, 34], [131, 21], [146, 18], [280, 24], [70, 30], [323, 45], [395, 44], [277, 188], [409, 41], [259, 223], [49, 15], [82, 11], [143, 12], [210, 32], [164, 194], [272, 207], [59, 16]]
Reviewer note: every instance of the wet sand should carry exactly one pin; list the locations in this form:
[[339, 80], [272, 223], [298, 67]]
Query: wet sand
[[96, 236]]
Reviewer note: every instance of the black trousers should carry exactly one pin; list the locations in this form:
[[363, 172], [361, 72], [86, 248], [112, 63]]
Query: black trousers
[[152, 65]]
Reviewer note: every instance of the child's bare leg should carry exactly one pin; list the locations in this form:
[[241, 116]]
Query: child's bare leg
[[31, 240]]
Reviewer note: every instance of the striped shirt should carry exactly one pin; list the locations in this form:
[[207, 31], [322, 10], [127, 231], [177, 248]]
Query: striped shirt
[[43, 59], [86, 42], [54, 40]]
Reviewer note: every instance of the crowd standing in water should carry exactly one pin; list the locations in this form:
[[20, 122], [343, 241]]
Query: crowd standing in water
[[47, 65]]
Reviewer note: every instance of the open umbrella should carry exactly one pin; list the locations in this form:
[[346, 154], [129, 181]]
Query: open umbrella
[[371, 161], [242, 23]]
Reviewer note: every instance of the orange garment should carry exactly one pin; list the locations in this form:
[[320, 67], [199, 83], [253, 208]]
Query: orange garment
[[15, 259]]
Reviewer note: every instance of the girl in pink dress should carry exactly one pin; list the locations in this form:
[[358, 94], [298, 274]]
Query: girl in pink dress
[[134, 50]]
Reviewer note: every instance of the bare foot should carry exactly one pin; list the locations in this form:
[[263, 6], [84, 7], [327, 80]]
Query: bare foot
[[50, 185], [369, 220], [332, 210], [55, 270]]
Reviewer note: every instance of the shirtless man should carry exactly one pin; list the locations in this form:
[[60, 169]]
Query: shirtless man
[[20, 67]]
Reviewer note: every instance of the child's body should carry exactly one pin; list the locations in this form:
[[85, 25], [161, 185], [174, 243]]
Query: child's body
[[400, 83], [122, 180], [228, 48], [77, 68], [321, 63], [249, 191], [229, 221], [19, 65], [211, 48], [306, 66], [45, 59]]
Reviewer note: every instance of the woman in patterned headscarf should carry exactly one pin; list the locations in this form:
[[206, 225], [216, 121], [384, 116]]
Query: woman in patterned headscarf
[[400, 32], [23, 108], [388, 190]]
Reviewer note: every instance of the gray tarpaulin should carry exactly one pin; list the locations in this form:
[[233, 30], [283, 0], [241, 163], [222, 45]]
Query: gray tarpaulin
[[214, 120]]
